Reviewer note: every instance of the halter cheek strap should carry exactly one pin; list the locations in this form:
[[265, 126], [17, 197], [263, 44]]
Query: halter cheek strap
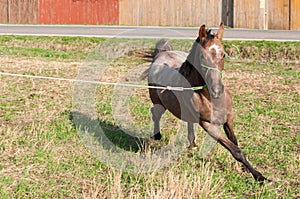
[[210, 68]]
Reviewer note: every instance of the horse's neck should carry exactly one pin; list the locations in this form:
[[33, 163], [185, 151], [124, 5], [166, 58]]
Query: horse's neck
[[191, 74], [188, 70], [195, 78]]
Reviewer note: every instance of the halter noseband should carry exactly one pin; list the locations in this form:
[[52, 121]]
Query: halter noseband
[[210, 68]]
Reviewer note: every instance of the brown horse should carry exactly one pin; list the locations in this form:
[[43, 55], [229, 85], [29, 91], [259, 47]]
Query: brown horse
[[205, 99]]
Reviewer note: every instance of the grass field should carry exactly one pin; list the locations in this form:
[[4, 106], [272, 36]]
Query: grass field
[[44, 156]]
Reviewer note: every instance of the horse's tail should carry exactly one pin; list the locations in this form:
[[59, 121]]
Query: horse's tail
[[161, 45]]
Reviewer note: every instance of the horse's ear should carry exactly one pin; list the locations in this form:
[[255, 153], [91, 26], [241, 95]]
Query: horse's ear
[[219, 35], [202, 33]]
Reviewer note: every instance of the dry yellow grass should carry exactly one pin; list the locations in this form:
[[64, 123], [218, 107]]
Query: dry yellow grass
[[42, 156]]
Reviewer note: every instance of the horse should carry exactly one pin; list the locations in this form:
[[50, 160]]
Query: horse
[[198, 94]]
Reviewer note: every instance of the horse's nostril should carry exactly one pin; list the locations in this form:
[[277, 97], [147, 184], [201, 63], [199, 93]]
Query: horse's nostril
[[217, 90]]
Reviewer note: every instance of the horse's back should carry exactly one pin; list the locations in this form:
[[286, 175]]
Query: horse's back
[[173, 59], [164, 68]]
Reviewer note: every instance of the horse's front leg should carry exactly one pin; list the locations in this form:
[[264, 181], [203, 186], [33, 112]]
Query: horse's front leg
[[215, 132], [228, 128], [157, 111], [191, 135]]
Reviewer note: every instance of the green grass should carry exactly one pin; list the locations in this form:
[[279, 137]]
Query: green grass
[[40, 146], [51, 48]]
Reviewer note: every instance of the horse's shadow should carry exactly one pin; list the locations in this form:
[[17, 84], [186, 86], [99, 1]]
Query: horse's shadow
[[107, 134]]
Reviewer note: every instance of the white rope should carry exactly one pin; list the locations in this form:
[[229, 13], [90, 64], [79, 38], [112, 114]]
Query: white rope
[[97, 82]]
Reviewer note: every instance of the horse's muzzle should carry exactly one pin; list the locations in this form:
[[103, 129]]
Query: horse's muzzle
[[217, 90]]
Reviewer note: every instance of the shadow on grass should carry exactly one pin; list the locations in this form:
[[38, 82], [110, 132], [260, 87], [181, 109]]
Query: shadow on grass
[[107, 134]]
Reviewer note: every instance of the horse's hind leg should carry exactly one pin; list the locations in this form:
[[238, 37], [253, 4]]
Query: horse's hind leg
[[157, 111], [191, 135]]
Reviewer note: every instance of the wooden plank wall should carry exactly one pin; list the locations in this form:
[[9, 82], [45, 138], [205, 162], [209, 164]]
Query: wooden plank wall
[[278, 14], [78, 11], [3, 11], [295, 15], [19, 11], [171, 12], [267, 14], [254, 14], [246, 14], [227, 12]]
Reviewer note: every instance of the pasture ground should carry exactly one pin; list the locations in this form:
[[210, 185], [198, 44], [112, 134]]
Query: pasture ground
[[42, 156]]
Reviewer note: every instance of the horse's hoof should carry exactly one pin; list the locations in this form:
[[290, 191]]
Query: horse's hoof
[[156, 136], [192, 146], [261, 179]]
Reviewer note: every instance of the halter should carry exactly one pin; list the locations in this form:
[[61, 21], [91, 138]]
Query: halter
[[210, 68], [216, 69], [197, 88]]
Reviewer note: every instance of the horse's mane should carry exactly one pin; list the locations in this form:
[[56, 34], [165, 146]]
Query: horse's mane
[[186, 67]]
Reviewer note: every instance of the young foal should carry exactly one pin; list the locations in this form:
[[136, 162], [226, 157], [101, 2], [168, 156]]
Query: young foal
[[207, 102]]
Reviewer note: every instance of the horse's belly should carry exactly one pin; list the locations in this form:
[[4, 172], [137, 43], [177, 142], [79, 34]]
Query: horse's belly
[[191, 107], [181, 104]]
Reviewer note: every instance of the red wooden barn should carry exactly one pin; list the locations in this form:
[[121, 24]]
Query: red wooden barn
[[78, 11]]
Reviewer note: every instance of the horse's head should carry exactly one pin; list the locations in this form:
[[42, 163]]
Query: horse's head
[[211, 59]]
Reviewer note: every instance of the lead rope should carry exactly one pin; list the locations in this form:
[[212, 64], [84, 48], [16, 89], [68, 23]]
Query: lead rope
[[171, 88], [236, 56], [129, 85]]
